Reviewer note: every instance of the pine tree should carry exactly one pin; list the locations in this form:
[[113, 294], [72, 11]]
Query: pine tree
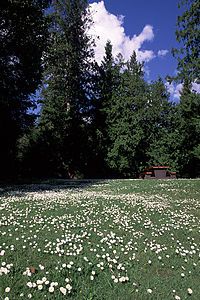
[[106, 81], [189, 131], [65, 94], [161, 128], [188, 35], [125, 121]]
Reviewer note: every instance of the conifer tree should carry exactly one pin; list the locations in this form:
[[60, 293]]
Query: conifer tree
[[125, 121], [106, 82], [161, 127], [188, 35], [189, 131], [65, 94]]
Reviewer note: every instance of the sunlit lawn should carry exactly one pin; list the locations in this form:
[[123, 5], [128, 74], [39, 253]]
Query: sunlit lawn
[[120, 239]]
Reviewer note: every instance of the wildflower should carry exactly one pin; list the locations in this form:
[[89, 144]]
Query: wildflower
[[115, 280], [41, 267], [91, 277], [6, 298], [177, 297], [29, 295], [122, 279], [69, 287], [29, 284], [7, 290], [190, 291], [40, 287], [63, 290], [51, 289], [149, 291]]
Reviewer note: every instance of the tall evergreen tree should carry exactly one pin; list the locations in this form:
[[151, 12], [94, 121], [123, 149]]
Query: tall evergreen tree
[[188, 35], [125, 121], [189, 131], [106, 81], [65, 94], [161, 127], [23, 34], [188, 56]]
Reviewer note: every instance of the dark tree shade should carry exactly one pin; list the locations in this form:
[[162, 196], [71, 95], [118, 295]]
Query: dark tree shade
[[23, 33]]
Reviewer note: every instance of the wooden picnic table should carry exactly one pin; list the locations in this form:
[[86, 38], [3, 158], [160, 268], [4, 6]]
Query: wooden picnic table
[[157, 172]]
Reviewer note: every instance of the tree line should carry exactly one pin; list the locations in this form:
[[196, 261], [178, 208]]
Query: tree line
[[96, 120]]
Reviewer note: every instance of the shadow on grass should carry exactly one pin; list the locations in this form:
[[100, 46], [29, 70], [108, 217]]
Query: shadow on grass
[[38, 185]]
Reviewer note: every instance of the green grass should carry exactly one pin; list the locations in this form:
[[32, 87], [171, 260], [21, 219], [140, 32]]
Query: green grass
[[107, 240]]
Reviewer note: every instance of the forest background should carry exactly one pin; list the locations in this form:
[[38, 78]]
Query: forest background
[[97, 120]]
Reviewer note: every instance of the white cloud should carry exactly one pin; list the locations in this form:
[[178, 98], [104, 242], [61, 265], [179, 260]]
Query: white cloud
[[174, 89], [110, 27], [177, 90], [162, 52]]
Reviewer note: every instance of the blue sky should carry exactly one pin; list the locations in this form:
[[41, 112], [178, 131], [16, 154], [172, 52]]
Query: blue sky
[[146, 26]]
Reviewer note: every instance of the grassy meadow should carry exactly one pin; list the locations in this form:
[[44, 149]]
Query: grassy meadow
[[112, 240]]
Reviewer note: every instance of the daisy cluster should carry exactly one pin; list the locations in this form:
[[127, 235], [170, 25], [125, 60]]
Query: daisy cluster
[[128, 238]]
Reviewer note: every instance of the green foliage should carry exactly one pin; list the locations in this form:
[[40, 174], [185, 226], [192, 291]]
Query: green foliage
[[188, 35], [64, 97], [188, 56], [189, 133], [106, 79], [125, 120], [23, 33], [161, 127], [95, 120]]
